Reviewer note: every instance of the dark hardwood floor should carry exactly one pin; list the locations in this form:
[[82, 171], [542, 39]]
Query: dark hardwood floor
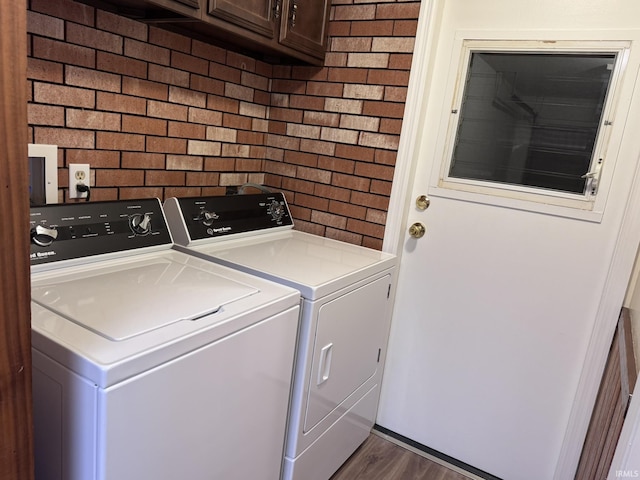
[[379, 459]]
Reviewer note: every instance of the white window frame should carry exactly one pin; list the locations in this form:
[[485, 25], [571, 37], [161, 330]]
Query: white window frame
[[585, 206]]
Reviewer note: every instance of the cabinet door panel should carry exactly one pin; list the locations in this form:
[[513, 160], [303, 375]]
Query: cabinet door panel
[[304, 25], [254, 15]]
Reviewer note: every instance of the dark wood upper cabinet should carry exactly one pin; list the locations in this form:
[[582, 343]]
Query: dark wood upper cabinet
[[277, 30], [304, 25], [254, 15]]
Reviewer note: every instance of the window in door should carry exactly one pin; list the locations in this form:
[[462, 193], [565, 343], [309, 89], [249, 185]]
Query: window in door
[[531, 122]]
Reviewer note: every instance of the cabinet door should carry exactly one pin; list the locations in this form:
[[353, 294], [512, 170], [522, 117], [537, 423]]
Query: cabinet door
[[254, 15], [304, 25]]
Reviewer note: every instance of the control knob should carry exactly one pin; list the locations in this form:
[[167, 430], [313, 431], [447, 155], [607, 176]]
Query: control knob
[[43, 236], [207, 218], [276, 210], [140, 223]]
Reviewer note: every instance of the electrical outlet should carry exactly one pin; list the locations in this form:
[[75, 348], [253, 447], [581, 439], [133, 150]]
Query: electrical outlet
[[79, 174]]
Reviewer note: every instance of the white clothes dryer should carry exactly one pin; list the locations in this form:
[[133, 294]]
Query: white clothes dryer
[[344, 318], [149, 363]]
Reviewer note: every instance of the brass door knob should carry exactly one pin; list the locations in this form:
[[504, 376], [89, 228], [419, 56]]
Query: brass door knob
[[417, 230], [422, 202]]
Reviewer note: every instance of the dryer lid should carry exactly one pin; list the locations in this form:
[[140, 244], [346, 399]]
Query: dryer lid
[[120, 302]]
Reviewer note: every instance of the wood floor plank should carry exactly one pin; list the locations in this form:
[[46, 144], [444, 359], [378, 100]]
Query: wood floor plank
[[379, 459]]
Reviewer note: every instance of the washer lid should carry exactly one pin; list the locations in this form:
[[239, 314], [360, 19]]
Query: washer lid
[[120, 302]]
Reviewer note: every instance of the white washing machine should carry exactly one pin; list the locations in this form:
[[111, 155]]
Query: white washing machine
[[344, 318], [149, 363]]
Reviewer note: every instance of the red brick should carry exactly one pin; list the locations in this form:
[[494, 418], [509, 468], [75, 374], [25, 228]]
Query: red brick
[[171, 40], [167, 145], [45, 25], [208, 117], [43, 70], [309, 74], [398, 10], [119, 141], [61, 95], [348, 75], [347, 210], [64, 137], [143, 160], [286, 115], [163, 177], [352, 152], [240, 61], [171, 76], [288, 86], [103, 194], [386, 157], [187, 130], [92, 38], [373, 243], [187, 97], [405, 28], [184, 162], [147, 52], [222, 104], [351, 182], [328, 219], [248, 165], [335, 164], [376, 216], [355, 12], [264, 69], [144, 125], [123, 65], [213, 191], [395, 94], [129, 193], [167, 110], [203, 178], [339, 29], [45, 115], [92, 120], [206, 84], [182, 192], [389, 77], [54, 50], [189, 63], [381, 187], [278, 168], [312, 202], [375, 28], [383, 109], [217, 164], [301, 158], [210, 52], [251, 138], [365, 228], [145, 88], [400, 61], [371, 170], [305, 102], [332, 193], [236, 121], [121, 25], [392, 126], [325, 89], [96, 158], [369, 200], [65, 9], [93, 79], [121, 103], [224, 73], [117, 178]]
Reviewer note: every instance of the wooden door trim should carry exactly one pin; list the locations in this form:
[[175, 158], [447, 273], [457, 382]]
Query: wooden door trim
[[16, 447]]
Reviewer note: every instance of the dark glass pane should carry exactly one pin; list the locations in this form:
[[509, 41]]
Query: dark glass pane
[[531, 118]]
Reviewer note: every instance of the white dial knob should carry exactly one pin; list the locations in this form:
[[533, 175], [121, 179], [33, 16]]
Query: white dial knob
[[140, 223], [43, 236]]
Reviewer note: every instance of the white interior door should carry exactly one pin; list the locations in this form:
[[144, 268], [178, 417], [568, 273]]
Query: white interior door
[[504, 309]]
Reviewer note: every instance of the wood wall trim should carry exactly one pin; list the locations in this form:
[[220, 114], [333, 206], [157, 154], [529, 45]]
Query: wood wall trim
[[16, 446]]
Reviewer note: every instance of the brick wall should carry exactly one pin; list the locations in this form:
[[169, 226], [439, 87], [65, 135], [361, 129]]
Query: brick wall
[[159, 114]]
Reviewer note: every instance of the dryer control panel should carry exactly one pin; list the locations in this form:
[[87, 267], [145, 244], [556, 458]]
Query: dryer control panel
[[196, 218], [77, 230]]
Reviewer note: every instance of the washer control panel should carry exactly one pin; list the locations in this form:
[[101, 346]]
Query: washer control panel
[[76, 230], [207, 217]]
